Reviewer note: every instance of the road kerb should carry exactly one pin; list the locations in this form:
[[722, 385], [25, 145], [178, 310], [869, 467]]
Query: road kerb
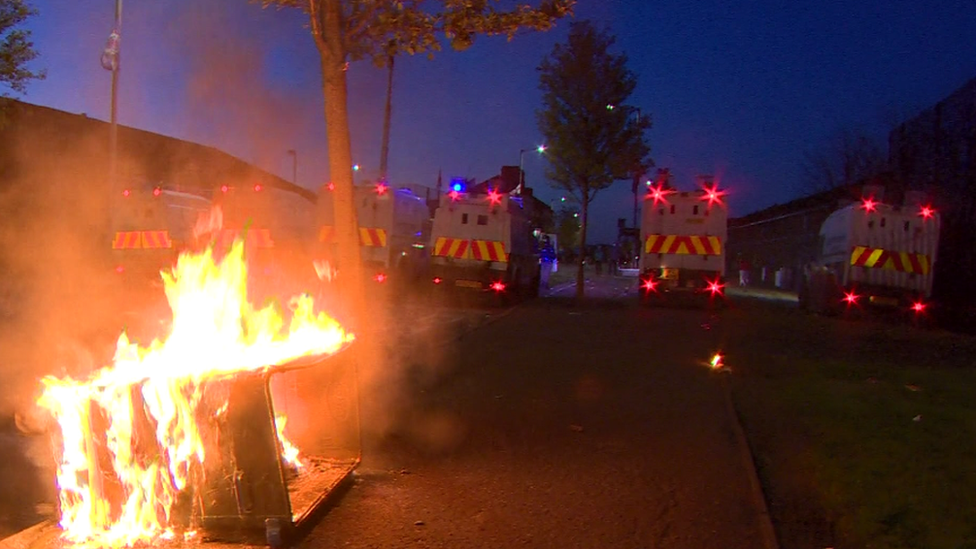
[[766, 528]]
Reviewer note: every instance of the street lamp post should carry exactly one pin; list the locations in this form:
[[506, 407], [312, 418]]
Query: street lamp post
[[540, 149], [637, 176], [294, 165]]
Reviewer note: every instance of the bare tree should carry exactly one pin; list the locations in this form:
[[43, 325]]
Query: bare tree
[[850, 156]]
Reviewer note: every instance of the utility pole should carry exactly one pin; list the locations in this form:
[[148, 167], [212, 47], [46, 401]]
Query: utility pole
[[294, 165], [111, 62], [637, 177], [385, 148]]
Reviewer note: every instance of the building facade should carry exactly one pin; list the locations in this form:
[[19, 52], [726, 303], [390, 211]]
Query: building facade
[[936, 152]]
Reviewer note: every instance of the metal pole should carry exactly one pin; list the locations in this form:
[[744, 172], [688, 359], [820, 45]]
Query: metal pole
[[637, 175], [294, 166], [114, 127], [385, 147], [521, 173]]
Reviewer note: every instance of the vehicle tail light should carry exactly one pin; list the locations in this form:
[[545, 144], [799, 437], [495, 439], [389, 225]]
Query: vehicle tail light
[[919, 307], [126, 192], [380, 277], [438, 280], [714, 286], [498, 286], [157, 191], [649, 285], [851, 298]]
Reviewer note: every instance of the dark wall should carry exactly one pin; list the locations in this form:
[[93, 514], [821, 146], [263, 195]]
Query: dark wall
[[785, 236], [936, 152]]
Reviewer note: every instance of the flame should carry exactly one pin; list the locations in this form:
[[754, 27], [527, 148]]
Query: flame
[[324, 270], [289, 452], [215, 334]]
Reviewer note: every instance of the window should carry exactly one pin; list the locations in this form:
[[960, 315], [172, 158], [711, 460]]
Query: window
[[906, 226], [672, 208], [883, 221], [694, 210], [482, 220], [464, 219]]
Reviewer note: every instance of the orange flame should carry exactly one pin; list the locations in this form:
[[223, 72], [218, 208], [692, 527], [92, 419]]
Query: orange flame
[[215, 334]]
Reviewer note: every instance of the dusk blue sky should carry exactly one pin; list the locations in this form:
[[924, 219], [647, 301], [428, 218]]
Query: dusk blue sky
[[740, 90]]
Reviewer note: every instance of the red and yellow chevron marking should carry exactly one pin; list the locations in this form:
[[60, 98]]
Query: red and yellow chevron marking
[[682, 244], [156, 239], [452, 247], [326, 233], [904, 262], [259, 238], [127, 240], [369, 236], [488, 250]]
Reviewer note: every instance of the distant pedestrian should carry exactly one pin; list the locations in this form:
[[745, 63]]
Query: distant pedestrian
[[744, 268], [548, 258], [598, 259]]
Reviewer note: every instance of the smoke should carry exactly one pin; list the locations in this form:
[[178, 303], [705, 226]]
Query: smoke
[[232, 94]]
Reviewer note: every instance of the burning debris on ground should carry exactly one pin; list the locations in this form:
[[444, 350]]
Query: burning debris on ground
[[189, 437]]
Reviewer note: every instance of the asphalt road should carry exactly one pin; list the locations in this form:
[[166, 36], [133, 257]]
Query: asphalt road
[[553, 425], [541, 425]]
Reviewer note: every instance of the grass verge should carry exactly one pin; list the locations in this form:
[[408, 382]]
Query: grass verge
[[864, 433]]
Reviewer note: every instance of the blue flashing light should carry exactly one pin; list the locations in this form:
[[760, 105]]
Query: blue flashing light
[[458, 184]]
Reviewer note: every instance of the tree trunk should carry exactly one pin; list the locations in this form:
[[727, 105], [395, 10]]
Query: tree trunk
[[385, 147], [327, 30], [585, 203]]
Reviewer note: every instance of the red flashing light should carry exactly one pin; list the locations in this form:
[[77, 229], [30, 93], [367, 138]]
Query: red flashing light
[[494, 198], [455, 195], [715, 287], [438, 280], [126, 193], [119, 269], [713, 195], [926, 212], [851, 298], [498, 286], [380, 277], [381, 188], [869, 204], [257, 187], [157, 191], [659, 194], [330, 186], [224, 188], [649, 285], [919, 307]]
